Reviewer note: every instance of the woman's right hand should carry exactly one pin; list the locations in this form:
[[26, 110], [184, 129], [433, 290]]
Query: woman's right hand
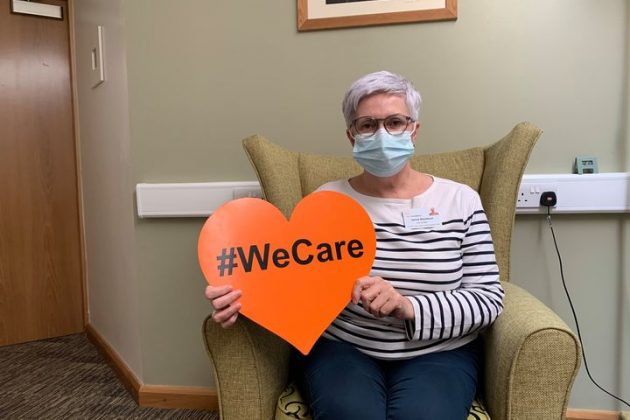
[[225, 303]]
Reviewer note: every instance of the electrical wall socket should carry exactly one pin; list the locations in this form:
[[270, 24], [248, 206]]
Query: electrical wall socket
[[529, 194]]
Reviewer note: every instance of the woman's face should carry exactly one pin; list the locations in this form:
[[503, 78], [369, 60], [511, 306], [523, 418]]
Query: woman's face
[[382, 105]]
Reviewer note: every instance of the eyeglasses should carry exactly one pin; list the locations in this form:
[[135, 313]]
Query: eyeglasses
[[394, 124]]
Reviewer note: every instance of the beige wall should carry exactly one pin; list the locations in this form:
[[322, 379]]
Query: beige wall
[[107, 183], [206, 75], [203, 75], [593, 250], [624, 364]]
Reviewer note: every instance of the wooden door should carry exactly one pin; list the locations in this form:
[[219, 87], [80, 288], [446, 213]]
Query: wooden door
[[41, 286]]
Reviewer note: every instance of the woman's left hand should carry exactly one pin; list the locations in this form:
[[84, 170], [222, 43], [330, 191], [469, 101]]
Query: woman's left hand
[[380, 299]]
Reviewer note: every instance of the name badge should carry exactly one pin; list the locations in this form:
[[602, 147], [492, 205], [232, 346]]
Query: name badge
[[422, 219]]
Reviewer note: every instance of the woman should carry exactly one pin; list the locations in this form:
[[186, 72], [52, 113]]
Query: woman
[[406, 346]]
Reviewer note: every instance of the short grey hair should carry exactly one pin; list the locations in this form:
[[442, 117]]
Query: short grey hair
[[380, 82]]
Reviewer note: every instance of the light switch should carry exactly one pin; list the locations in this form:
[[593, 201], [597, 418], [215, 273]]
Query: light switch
[[97, 58]]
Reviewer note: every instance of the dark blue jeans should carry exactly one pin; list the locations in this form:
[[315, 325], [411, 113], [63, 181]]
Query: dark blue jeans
[[340, 382]]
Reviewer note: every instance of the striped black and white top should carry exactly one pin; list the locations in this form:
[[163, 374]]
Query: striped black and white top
[[445, 266]]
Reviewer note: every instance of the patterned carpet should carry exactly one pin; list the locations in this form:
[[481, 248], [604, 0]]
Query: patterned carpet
[[66, 378]]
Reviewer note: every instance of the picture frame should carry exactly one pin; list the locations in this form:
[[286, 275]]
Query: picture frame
[[327, 14]]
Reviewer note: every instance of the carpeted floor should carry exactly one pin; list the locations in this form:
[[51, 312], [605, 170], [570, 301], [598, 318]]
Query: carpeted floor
[[67, 378]]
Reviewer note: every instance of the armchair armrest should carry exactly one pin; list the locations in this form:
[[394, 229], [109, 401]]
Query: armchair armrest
[[250, 366], [532, 358]]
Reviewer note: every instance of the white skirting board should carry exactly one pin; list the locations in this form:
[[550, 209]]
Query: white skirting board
[[592, 193]]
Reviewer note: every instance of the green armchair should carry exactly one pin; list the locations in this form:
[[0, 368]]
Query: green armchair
[[531, 355]]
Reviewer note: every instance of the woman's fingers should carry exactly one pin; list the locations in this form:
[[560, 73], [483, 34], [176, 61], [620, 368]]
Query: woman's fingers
[[373, 292], [382, 303], [226, 317], [230, 321], [213, 292], [369, 291], [389, 306], [224, 300], [378, 297], [359, 286]]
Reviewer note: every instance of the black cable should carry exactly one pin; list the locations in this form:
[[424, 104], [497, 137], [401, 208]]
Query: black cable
[[577, 325]]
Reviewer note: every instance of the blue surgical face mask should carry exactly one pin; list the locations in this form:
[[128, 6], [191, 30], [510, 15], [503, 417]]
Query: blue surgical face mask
[[383, 154]]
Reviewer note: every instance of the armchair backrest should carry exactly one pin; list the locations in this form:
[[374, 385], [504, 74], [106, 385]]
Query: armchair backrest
[[494, 171]]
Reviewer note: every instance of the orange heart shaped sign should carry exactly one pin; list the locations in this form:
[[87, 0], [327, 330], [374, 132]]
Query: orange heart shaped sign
[[296, 276]]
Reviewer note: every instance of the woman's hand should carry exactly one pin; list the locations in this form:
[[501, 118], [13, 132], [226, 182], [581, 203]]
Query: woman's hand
[[381, 299], [225, 303]]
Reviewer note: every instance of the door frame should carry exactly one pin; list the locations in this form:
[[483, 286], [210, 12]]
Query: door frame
[[77, 156]]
